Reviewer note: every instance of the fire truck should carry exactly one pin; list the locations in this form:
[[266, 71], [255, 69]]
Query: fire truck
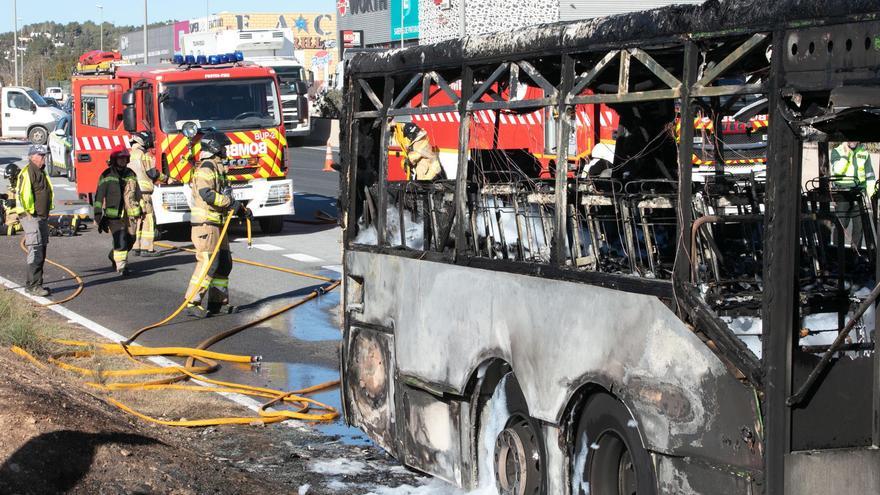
[[594, 126], [221, 93]]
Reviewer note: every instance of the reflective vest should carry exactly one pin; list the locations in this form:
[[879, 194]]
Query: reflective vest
[[209, 194], [24, 201], [853, 167], [118, 194]]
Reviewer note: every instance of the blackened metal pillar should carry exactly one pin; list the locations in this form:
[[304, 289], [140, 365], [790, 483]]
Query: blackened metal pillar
[[681, 271], [779, 312]]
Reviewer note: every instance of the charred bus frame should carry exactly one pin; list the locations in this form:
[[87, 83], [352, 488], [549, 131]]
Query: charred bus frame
[[673, 54]]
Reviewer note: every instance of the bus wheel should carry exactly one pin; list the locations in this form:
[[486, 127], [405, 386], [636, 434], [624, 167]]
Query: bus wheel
[[609, 458], [271, 225], [38, 135], [518, 460]]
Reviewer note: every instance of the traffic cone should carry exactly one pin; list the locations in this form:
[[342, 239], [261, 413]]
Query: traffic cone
[[328, 159]]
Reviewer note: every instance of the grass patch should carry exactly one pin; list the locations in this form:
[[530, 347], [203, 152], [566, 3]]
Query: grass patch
[[21, 325]]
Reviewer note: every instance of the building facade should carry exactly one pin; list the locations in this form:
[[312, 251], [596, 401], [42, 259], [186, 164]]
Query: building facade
[[315, 36]]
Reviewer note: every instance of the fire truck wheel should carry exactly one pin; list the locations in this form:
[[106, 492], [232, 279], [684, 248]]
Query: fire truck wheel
[[609, 457], [38, 135], [271, 225]]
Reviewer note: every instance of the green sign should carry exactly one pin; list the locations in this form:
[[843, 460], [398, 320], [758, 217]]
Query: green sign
[[404, 19]]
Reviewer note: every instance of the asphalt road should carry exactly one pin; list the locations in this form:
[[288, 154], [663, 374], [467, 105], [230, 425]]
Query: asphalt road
[[298, 347]]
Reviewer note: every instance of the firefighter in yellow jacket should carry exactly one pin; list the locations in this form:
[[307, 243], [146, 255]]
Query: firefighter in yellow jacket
[[144, 167], [118, 206], [212, 201], [418, 151]]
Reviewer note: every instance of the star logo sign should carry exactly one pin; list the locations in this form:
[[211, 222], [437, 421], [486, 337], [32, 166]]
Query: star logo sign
[[342, 6], [302, 24]]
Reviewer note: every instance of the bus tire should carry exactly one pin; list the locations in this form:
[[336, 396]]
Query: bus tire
[[38, 135], [609, 458], [271, 225], [519, 461]]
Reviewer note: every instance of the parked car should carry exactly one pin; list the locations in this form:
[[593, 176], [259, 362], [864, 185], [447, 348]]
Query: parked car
[[59, 161], [53, 102], [54, 92]]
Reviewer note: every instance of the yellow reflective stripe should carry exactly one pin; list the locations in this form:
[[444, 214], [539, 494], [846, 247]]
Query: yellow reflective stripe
[[220, 283], [119, 255], [133, 212]]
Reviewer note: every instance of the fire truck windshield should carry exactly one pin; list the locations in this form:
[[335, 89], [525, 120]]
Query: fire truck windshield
[[226, 105]]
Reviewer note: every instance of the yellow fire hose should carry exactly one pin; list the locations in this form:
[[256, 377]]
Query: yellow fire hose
[[307, 408], [70, 272]]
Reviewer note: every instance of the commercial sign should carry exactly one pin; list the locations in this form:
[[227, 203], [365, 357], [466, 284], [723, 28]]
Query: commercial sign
[[404, 19], [356, 7], [352, 38]]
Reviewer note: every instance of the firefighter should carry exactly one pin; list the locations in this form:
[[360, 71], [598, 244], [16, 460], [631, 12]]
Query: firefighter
[[34, 200], [212, 200], [143, 166], [419, 153], [11, 224], [118, 206], [851, 167]]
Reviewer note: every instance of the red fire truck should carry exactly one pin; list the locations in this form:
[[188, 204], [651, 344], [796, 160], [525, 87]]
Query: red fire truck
[[224, 94], [594, 129]]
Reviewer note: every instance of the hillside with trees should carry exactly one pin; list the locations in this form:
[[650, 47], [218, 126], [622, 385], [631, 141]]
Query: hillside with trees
[[51, 49]]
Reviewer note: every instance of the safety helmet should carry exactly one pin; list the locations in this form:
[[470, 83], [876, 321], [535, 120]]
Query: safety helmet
[[411, 131], [119, 151], [143, 138], [215, 143], [11, 172]]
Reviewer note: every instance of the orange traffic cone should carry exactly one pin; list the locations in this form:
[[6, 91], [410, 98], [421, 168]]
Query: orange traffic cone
[[328, 159]]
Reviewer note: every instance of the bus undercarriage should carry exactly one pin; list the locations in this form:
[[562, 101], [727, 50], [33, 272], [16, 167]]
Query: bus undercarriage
[[627, 326]]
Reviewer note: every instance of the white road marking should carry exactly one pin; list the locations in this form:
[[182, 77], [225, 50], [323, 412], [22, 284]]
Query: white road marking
[[108, 334], [303, 258], [333, 268], [268, 247]]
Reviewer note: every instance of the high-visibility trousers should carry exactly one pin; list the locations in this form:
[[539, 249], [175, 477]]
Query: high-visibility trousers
[[212, 290], [146, 226]]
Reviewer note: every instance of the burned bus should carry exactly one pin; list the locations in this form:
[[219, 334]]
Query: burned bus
[[620, 324]]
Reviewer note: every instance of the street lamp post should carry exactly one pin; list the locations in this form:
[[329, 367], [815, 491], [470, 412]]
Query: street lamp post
[[21, 49], [146, 47], [101, 8], [15, 39]]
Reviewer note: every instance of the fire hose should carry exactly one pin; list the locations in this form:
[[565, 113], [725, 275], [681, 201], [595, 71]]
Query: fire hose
[[304, 408]]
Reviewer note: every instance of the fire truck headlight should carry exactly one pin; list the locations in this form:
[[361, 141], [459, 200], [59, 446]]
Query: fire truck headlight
[[279, 194], [174, 201]]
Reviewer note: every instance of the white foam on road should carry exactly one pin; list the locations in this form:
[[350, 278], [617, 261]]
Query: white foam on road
[[112, 336], [267, 247], [305, 258]]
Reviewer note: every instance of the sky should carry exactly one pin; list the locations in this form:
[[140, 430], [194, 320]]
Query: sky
[[130, 12]]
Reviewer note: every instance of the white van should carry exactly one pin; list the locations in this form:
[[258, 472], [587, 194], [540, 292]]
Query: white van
[[25, 114], [55, 92]]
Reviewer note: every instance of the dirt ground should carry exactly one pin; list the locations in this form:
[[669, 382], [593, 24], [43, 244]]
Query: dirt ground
[[62, 436]]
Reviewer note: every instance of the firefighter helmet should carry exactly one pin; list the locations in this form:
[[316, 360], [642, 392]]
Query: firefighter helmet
[[11, 172], [118, 152], [143, 138], [215, 143], [411, 131]]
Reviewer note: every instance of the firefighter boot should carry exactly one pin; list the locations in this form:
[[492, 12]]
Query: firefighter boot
[[112, 261], [197, 311]]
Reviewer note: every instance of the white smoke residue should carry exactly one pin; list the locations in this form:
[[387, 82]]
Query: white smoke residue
[[414, 230], [493, 420]]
